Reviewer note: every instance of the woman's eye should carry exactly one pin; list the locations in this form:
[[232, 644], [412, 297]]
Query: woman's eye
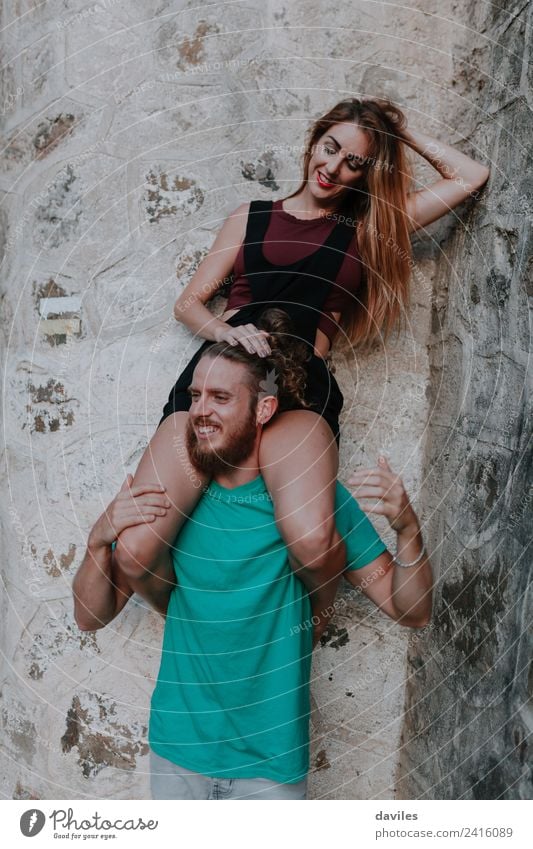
[[329, 150]]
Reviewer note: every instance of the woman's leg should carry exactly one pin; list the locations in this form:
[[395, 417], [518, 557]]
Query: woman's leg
[[164, 461], [299, 461]]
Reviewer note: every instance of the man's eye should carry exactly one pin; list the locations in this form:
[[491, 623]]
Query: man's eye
[[221, 397], [194, 395]]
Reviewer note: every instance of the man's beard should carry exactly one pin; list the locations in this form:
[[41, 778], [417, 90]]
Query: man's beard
[[236, 447]]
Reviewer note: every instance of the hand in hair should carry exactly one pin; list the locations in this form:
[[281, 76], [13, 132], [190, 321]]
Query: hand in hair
[[282, 359], [252, 339], [289, 353]]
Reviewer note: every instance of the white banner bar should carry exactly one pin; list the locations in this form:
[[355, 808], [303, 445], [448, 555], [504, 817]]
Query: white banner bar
[[357, 824]]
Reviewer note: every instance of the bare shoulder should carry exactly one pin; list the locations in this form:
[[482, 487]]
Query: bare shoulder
[[232, 233], [241, 211], [235, 223]]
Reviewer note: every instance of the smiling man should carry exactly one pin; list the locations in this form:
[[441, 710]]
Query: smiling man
[[230, 711]]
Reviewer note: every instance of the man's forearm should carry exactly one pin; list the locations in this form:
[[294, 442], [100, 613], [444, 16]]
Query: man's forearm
[[156, 583], [321, 584], [101, 589], [94, 589], [412, 587], [323, 606]]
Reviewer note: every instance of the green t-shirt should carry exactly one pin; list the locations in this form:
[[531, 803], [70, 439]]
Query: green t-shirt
[[232, 694]]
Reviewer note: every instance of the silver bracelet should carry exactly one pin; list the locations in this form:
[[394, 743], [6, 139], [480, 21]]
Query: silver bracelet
[[408, 565]]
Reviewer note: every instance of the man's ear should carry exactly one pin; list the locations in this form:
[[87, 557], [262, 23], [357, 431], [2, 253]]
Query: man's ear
[[266, 408]]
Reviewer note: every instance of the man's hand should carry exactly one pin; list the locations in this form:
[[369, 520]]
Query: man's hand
[[383, 484], [100, 589], [405, 594], [132, 506]]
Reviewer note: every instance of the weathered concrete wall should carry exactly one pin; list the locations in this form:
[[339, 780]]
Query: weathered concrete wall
[[469, 712], [129, 132]]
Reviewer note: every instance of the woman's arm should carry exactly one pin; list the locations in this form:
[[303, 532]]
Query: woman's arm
[[212, 272], [462, 178]]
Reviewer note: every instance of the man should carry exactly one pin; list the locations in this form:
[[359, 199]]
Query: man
[[230, 710]]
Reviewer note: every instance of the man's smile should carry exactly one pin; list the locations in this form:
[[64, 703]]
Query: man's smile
[[203, 431]]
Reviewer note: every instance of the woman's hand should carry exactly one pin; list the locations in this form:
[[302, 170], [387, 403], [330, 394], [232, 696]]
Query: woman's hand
[[387, 490], [254, 341], [132, 506]]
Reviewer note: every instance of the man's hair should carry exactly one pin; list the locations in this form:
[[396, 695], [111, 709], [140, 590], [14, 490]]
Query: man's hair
[[282, 373]]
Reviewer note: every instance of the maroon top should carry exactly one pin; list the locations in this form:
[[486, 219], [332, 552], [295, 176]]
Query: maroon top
[[289, 239]]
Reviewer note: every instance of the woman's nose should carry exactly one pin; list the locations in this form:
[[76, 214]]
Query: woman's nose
[[332, 168]]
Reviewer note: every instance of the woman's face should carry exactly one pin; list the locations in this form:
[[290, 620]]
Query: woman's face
[[337, 162]]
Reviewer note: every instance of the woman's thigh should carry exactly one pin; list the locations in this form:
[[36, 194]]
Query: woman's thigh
[[299, 461], [166, 461]]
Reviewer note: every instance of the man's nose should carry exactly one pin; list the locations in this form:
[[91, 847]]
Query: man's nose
[[204, 406]]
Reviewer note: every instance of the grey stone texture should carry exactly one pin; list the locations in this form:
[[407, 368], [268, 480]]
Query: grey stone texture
[[128, 132], [468, 714]]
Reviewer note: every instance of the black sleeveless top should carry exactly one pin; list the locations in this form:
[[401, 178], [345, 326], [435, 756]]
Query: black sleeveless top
[[288, 238], [301, 288]]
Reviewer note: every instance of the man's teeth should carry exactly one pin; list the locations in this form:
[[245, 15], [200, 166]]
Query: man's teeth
[[206, 429]]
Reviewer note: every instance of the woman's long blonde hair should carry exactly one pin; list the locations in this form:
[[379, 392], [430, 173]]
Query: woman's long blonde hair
[[378, 205]]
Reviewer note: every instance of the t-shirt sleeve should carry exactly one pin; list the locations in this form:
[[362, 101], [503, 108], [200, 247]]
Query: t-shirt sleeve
[[363, 543]]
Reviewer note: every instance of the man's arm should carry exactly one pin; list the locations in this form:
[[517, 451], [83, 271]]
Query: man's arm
[[100, 591], [100, 588], [322, 589], [155, 583], [403, 593], [377, 582]]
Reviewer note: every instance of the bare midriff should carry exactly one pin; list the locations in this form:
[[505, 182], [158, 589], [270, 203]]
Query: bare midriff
[[322, 343]]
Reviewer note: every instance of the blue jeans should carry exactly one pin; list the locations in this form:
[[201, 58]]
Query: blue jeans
[[170, 781]]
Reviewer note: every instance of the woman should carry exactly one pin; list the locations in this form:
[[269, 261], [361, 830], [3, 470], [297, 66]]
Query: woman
[[345, 230]]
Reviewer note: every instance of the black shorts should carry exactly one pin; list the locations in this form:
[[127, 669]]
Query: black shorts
[[322, 391]]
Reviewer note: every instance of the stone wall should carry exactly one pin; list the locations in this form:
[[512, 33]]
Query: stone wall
[[469, 716], [129, 131]]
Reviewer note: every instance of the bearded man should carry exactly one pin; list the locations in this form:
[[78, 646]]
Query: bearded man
[[230, 711]]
